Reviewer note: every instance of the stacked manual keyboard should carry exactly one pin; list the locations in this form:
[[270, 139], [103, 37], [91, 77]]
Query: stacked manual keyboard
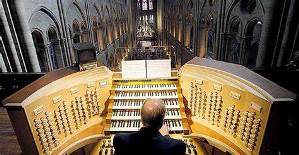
[[127, 98]]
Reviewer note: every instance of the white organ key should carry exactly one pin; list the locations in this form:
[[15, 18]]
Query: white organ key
[[128, 101], [144, 95], [137, 104], [147, 87]]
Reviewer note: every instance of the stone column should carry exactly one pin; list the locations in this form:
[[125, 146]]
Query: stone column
[[65, 33], [116, 33], [243, 50], [62, 51], [27, 35], [160, 21], [267, 31], [183, 28], [220, 36], [225, 39], [119, 29], [131, 25], [201, 41], [187, 35], [197, 32], [2, 64], [180, 31], [289, 37], [49, 56], [10, 39], [177, 29], [5, 59]]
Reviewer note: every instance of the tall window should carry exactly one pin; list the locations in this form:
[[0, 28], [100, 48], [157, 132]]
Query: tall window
[[151, 19], [150, 5], [144, 5]]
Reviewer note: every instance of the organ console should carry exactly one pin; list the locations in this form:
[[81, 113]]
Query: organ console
[[127, 97], [227, 105]]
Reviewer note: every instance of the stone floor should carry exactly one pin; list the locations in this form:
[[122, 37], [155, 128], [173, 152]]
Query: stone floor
[[8, 141]]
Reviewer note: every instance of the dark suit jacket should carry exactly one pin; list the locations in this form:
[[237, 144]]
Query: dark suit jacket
[[147, 141]]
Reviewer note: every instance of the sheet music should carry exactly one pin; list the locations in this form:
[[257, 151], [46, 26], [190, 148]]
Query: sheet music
[[133, 69], [158, 68]]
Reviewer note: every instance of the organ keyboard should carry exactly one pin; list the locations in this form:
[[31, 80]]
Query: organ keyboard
[[144, 95], [137, 104], [127, 97], [227, 105], [146, 87], [136, 114]]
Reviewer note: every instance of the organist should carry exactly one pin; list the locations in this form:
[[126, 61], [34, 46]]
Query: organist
[[153, 137]]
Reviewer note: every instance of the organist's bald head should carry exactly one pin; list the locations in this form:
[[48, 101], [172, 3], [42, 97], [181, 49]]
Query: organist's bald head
[[153, 113]]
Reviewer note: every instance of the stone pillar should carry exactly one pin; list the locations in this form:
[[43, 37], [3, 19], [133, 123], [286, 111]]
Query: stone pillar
[[201, 41], [65, 34], [100, 38], [5, 59], [243, 51], [2, 64], [27, 35], [180, 31], [177, 29], [220, 36], [131, 25], [116, 30], [62, 51], [225, 39], [289, 37], [10, 39], [49, 56], [267, 31], [183, 36], [160, 6], [187, 36], [160, 21], [119, 29]]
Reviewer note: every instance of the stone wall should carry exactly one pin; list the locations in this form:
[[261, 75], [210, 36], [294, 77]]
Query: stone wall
[[38, 35]]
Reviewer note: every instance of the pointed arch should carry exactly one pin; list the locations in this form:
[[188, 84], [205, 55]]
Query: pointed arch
[[234, 43], [108, 13], [231, 7], [252, 32], [76, 31], [39, 44], [49, 13], [80, 10], [98, 11], [84, 32], [211, 34], [55, 52]]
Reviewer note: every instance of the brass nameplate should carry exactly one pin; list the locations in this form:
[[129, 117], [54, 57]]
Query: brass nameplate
[[235, 95], [57, 99], [217, 87], [74, 91], [38, 110], [256, 107]]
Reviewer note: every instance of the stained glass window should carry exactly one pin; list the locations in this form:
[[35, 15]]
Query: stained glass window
[[150, 5], [144, 5], [151, 19]]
